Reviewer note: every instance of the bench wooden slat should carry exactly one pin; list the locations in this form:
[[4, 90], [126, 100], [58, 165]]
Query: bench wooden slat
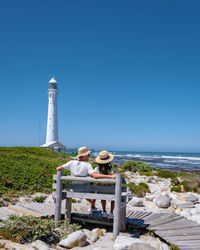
[[85, 179], [78, 187], [90, 196]]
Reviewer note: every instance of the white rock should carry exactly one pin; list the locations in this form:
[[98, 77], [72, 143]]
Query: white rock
[[125, 243], [137, 202], [195, 210], [77, 238], [40, 245], [149, 197], [99, 231], [9, 245], [154, 242], [129, 243], [165, 186], [181, 204], [192, 198], [98, 248], [185, 213], [162, 201]]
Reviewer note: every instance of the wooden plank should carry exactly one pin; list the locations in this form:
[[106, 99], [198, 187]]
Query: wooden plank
[[152, 217], [88, 189], [129, 212], [181, 231], [5, 213], [86, 179], [41, 208], [189, 243], [140, 213], [23, 211], [183, 238], [90, 196], [165, 220], [91, 218], [182, 223], [144, 215]]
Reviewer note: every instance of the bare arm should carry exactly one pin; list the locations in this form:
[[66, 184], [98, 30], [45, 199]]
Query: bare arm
[[59, 168], [98, 176]]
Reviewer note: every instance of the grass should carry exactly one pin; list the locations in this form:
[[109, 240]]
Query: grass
[[28, 170]]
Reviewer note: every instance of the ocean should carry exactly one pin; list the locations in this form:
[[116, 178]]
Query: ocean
[[164, 160]]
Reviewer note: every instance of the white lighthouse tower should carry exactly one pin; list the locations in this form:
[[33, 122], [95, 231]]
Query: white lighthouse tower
[[52, 120]]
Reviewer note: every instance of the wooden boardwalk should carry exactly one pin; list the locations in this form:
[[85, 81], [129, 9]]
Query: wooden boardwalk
[[171, 227]]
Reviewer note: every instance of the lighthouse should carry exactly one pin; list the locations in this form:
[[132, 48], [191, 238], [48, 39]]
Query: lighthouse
[[52, 119]]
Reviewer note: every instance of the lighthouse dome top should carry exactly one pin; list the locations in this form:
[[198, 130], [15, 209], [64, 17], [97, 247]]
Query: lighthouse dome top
[[52, 83], [52, 80]]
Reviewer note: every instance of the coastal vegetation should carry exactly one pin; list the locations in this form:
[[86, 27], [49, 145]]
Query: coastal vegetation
[[26, 229], [27, 170], [136, 166], [39, 199], [139, 190]]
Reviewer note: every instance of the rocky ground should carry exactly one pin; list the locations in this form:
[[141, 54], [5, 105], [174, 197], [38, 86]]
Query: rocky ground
[[160, 199]]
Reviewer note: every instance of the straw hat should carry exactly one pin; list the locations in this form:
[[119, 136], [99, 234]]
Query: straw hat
[[104, 157], [83, 151]]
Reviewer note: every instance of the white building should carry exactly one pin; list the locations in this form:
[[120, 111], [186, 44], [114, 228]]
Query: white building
[[52, 120]]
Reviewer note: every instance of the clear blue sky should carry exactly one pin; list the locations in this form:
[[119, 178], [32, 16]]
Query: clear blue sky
[[128, 73]]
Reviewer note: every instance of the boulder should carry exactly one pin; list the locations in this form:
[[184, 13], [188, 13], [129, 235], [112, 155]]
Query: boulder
[[192, 198], [181, 204], [196, 218], [74, 239], [149, 197], [99, 231], [129, 243], [40, 245], [9, 245], [162, 201], [125, 243], [165, 186], [185, 213], [136, 202], [195, 210], [94, 235]]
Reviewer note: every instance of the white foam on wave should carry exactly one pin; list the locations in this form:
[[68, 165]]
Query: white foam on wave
[[181, 158]]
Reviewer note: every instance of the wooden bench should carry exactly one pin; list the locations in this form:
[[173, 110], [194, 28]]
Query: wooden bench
[[112, 192]]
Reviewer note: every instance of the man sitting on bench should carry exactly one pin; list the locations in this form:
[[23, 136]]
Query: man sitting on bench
[[82, 168]]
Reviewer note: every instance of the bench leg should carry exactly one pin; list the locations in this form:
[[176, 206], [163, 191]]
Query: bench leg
[[123, 217], [117, 213], [68, 208]]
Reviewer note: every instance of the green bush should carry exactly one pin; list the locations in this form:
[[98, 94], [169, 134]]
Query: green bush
[[148, 173], [136, 166], [176, 189], [175, 181], [39, 199], [2, 203], [191, 182], [139, 190], [166, 174], [25, 229]]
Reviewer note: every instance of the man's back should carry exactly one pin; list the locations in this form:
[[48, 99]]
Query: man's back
[[79, 168]]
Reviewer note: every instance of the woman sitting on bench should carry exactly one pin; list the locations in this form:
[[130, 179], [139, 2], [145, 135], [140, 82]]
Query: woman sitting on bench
[[104, 167]]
